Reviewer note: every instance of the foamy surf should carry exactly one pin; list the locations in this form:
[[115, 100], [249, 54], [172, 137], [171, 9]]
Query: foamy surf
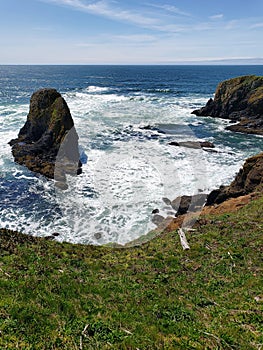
[[124, 128]]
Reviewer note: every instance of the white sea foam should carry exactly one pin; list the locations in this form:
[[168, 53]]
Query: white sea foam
[[128, 182], [96, 89], [129, 169]]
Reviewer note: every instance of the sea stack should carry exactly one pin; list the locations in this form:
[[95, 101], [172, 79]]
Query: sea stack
[[240, 100], [48, 142]]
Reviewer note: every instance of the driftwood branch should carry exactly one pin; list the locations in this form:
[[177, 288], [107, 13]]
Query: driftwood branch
[[183, 239], [83, 334]]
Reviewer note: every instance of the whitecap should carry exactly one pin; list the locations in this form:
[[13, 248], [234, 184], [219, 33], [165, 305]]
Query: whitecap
[[96, 89]]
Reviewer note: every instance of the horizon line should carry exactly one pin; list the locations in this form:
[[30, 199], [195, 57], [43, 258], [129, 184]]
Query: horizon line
[[137, 64], [242, 61]]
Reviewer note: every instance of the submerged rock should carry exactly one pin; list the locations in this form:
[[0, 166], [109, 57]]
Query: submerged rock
[[240, 100], [249, 179], [48, 142], [167, 201]]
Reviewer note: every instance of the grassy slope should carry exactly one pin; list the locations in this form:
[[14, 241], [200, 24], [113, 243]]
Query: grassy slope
[[151, 297]]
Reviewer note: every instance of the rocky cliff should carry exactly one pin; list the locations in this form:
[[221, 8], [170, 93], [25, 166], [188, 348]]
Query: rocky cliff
[[249, 179], [48, 131], [247, 186], [240, 100]]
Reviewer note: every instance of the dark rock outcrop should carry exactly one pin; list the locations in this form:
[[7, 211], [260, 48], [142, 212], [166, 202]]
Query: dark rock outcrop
[[183, 204], [249, 179], [193, 144], [48, 142], [240, 100]]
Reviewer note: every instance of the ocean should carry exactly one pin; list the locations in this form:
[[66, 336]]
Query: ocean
[[125, 117]]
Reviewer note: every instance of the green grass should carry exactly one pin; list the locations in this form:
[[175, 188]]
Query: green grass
[[156, 296]]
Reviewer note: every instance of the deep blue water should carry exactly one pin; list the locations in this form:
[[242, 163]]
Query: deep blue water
[[118, 111], [17, 83]]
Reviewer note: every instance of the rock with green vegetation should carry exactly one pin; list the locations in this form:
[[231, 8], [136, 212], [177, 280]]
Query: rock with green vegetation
[[249, 179], [48, 132], [240, 100]]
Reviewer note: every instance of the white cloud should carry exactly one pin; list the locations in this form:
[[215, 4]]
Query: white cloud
[[256, 25], [219, 16], [173, 28], [232, 24], [104, 8], [172, 9], [136, 38], [157, 21], [131, 39]]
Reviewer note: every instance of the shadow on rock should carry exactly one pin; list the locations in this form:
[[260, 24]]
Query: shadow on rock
[[48, 140]]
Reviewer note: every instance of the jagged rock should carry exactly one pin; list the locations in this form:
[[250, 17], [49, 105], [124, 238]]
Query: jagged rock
[[183, 204], [249, 179], [249, 127], [48, 140], [240, 100]]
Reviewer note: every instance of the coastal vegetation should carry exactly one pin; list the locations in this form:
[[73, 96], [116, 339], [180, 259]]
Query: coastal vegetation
[[155, 296]]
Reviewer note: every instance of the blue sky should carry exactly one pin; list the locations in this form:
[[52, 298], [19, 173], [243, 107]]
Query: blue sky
[[130, 32]]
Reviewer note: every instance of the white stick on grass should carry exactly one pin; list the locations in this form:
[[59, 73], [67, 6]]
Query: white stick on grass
[[183, 239]]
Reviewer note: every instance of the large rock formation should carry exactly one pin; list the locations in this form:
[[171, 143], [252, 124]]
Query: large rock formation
[[248, 180], [240, 100], [48, 140]]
